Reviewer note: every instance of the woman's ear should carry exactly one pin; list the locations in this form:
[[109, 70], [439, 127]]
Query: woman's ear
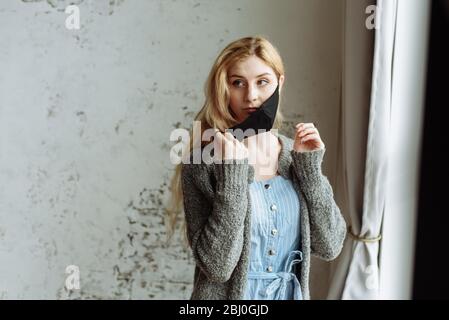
[[281, 82]]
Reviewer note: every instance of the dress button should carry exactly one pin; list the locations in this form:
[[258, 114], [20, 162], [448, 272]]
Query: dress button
[[273, 207], [271, 252], [269, 269], [274, 232], [267, 186]]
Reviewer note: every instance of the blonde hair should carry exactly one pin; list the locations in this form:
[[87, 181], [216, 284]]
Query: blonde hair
[[215, 112]]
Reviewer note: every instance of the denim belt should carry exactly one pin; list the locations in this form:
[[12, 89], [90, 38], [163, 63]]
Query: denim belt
[[281, 279]]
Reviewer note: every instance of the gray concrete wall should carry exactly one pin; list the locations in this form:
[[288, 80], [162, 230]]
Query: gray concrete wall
[[85, 119]]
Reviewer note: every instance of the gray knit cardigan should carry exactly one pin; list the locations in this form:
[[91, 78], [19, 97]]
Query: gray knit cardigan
[[217, 209]]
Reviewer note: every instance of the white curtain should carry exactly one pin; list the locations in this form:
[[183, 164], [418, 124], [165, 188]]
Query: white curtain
[[407, 107], [365, 125]]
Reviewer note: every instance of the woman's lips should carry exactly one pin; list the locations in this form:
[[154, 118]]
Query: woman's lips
[[251, 110]]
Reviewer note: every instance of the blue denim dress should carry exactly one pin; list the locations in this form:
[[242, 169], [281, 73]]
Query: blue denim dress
[[275, 241]]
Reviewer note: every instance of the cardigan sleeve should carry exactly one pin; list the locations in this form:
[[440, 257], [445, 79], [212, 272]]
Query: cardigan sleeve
[[327, 225], [215, 230]]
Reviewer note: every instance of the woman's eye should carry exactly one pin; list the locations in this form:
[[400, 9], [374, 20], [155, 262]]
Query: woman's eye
[[237, 83], [240, 83]]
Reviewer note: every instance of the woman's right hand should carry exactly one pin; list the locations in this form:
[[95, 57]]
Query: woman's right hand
[[226, 147]]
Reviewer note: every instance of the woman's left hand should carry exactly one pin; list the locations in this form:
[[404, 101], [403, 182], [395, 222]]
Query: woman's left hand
[[307, 138]]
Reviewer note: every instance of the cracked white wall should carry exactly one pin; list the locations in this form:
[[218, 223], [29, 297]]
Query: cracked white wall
[[85, 117]]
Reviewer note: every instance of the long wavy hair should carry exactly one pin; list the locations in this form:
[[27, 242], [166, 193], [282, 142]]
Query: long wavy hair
[[216, 113]]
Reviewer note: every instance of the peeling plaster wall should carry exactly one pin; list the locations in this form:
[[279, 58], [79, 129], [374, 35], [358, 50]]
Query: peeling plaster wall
[[85, 117]]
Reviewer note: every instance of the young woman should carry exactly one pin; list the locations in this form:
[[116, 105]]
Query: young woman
[[253, 220]]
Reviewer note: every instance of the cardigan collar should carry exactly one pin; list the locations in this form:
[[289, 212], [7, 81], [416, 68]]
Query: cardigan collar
[[285, 156], [285, 159]]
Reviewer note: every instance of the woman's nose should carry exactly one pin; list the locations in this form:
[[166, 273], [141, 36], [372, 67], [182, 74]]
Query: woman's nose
[[251, 94]]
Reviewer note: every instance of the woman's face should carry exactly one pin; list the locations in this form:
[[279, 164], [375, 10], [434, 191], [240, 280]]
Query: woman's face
[[251, 83]]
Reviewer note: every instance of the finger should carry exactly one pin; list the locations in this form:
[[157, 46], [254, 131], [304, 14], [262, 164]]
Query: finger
[[222, 139], [222, 136], [216, 136], [229, 137], [307, 126], [235, 141], [241, 151], [305, 123], [307, 131], [310, 137], [228, 146], [303, 126], [217, 133]]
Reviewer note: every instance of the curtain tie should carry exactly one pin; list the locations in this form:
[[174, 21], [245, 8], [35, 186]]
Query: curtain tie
[[362, 239]]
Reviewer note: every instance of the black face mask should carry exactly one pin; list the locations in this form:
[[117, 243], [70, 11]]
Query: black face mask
[[261, 119]]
